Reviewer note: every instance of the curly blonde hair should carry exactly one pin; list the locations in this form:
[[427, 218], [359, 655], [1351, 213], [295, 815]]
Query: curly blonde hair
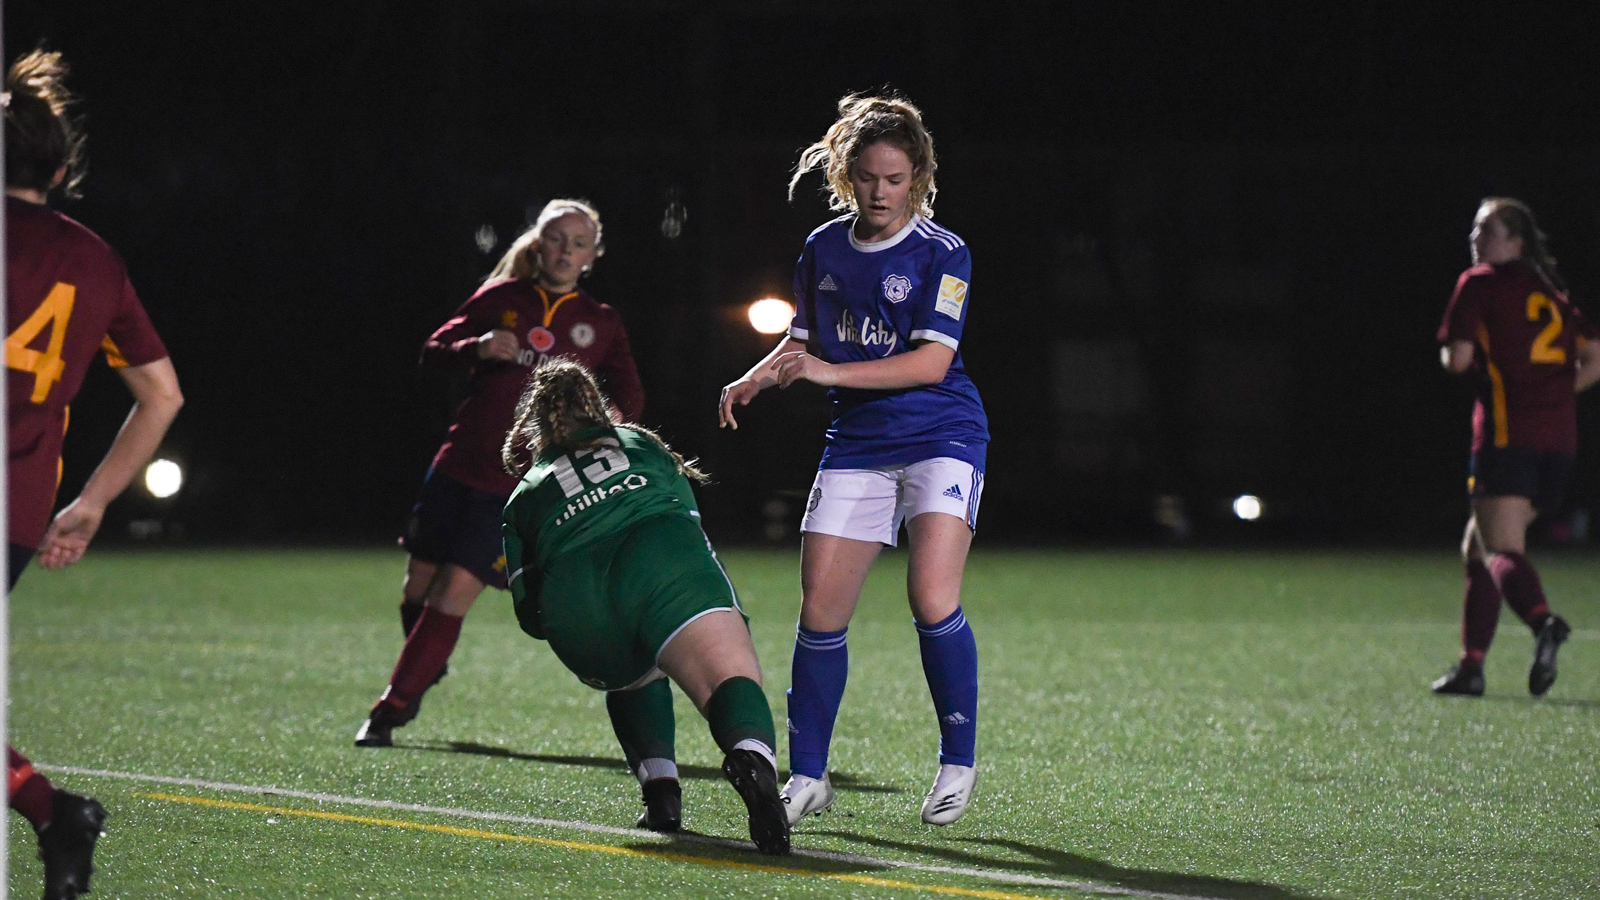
[[522, 259], [560, 400], [865, 120]]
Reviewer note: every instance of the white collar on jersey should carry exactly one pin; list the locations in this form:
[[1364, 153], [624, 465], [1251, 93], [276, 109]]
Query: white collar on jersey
[[876, 246]]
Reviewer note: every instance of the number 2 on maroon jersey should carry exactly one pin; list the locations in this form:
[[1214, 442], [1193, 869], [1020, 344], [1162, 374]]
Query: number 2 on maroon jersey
[[46, 367], [1542, 352]]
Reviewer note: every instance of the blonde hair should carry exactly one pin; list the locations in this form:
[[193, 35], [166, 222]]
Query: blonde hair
[[863, 121], [560, 400], [522, 260], [42, 138]]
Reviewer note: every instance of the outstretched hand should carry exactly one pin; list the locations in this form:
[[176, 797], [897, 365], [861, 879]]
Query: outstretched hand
[[741, 392], [69, 534]]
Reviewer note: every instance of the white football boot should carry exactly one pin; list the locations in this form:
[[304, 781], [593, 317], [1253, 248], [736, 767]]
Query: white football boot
[[951, 792], [802, 796]]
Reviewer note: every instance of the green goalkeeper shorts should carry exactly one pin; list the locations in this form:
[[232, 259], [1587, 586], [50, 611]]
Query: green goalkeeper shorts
[[609, 608]]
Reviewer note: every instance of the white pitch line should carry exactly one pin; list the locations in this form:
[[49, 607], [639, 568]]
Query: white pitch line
[[1087, 887]]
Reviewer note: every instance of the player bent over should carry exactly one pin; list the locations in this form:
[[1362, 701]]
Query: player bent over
[[609, 564]]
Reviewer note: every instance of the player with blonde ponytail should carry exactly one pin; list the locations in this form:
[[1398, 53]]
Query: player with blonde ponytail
[[529, 310]]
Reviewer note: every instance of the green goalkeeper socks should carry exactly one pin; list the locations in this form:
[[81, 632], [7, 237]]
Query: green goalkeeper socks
[[643, 722], [738, 711]]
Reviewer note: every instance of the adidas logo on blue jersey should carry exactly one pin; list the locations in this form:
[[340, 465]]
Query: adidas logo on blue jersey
[[827, 284], [953, 492]]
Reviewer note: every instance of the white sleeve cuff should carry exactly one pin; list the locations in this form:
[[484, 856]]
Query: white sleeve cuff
[[928, 334], [798, 333]]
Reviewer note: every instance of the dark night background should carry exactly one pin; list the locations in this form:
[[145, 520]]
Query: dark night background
[[1211, 243]]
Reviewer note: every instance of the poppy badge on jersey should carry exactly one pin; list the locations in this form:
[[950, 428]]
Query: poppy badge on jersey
[[952, 296], [540, 339], [896, 288], [583, 334]]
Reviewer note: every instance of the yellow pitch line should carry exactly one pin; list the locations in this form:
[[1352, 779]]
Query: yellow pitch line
[[596, 848]]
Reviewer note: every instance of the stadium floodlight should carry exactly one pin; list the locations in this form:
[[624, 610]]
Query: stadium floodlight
[[163, 478], [1248, 507], [771, 315]]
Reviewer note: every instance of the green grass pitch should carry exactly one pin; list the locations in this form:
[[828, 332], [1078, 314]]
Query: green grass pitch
[[1185, 724]]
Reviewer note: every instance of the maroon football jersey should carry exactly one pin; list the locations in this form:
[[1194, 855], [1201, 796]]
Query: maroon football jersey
[[68, 297], [1527, 336], [573, 325]]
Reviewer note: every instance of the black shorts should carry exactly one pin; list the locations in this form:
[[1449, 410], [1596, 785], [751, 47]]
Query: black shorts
[[1540, 475], [17, 560], [456, 524]]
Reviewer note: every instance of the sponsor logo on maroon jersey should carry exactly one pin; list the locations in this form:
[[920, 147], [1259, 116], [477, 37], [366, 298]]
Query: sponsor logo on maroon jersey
[[583, 334], [508, 319], [540, 338]]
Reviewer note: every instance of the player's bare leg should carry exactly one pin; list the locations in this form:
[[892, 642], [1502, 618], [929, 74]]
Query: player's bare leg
[[939, 543], [451, 593], [832, 571], [714, 661], [453, 590], [709, 651], [1503, 525]]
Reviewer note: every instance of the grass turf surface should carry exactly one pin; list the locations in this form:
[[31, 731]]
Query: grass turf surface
[[1205, 724]]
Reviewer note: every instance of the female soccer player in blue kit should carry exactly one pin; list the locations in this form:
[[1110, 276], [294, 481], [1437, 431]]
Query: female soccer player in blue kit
[[881, 297]]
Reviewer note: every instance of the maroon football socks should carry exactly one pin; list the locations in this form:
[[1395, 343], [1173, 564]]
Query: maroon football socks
[[1480, 614], [1519, 584], [30, 792], [427, 649]]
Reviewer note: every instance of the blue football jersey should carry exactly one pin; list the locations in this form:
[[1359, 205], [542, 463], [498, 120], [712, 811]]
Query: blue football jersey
[[857, 302]]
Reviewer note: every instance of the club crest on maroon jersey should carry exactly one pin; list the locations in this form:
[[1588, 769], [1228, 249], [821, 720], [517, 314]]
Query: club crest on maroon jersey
[[540, 339], [583, 334]]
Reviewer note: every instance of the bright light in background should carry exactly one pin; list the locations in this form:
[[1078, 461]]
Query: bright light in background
[[1247, 507], [163, 478], [771, 315]]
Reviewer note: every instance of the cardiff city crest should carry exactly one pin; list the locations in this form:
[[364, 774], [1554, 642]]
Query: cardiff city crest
[[896, 288]]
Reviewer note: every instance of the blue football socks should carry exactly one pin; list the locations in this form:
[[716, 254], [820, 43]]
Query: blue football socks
[[817, 675], [950, 663]]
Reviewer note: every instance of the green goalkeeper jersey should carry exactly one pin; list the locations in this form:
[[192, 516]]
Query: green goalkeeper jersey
[[569, 501]]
